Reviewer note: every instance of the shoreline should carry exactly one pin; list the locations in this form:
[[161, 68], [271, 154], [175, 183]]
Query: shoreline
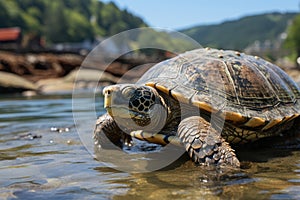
[[50, 73]]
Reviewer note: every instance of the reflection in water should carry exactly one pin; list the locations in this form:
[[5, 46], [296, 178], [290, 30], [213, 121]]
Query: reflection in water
[[57, 165], [274, 179]]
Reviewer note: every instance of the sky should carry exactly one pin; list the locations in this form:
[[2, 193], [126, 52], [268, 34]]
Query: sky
[[179, 14]]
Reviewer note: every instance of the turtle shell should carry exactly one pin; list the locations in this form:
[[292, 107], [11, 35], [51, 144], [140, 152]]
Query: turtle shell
[[242, 88]]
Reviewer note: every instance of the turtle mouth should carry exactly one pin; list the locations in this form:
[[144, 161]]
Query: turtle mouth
[[124, 112]]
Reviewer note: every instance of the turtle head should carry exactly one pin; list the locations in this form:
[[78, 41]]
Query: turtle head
[[128, 102]]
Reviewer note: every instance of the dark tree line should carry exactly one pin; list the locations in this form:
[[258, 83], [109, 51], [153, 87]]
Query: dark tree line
[[293, 38]]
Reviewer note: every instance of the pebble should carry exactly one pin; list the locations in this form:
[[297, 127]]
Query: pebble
[[28, 136], [60, 130]]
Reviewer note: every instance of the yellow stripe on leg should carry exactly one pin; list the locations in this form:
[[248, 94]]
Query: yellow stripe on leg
[[156, 138]]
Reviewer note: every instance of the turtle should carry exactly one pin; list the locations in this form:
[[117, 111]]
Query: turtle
[[210, 100]]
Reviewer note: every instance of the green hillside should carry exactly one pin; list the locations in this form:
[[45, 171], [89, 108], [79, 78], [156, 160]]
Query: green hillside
[[59, 21], [238, 34], [67, 20]]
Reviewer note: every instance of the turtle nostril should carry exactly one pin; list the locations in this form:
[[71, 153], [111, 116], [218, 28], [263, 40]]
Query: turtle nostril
[[107, 92]]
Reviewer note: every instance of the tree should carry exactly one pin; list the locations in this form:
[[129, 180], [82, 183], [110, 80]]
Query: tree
[[81, 6], [55, 24], [10, 15], [293, 38], [30, 18], [4, 15], [79, 28]]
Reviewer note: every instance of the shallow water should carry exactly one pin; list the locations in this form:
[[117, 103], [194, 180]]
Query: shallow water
[[37, 161]]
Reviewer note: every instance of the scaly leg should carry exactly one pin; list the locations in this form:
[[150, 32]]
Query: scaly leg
[[204, 144]]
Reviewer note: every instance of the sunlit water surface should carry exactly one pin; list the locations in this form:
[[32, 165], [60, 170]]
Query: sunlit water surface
[[39, 162]]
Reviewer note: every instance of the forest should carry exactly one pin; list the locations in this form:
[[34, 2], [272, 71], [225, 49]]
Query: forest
[[67, 20], [238, 34]]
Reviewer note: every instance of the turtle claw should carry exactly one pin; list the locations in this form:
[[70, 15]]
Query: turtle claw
[[127, 141]]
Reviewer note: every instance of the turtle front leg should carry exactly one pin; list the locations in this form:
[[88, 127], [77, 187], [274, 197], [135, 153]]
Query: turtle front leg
[[204, 144], [107, 125]]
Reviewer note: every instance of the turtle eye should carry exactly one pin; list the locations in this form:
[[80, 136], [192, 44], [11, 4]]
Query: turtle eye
[[128, 92]]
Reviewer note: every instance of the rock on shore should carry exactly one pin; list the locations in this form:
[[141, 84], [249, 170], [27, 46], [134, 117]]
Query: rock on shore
[[10, 82], [59, 73], [34, 67], [77, 79]]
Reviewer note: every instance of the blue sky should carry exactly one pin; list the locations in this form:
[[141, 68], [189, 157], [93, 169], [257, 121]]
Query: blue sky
[[177, 14]]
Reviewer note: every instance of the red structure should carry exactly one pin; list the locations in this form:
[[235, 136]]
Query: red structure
[[10, 34]]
